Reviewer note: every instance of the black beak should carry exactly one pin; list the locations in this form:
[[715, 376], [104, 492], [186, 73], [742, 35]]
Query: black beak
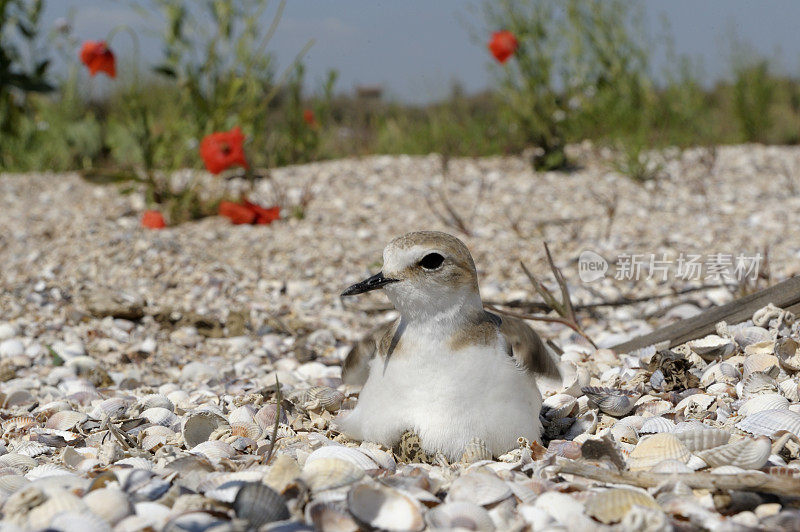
[[373, 283]]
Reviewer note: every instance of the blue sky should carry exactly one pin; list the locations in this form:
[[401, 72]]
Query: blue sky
[[417, 48]]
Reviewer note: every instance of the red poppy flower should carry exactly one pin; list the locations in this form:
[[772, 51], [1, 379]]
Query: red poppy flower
[[223, 149], [309, 118], [264, 216], [153, 220], [97, 56], [503, 44], [237, 213]]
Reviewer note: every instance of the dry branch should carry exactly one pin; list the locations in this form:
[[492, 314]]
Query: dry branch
[[749, 480]]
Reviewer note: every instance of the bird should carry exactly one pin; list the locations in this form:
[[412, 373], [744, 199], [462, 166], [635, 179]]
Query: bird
[[447, 370]]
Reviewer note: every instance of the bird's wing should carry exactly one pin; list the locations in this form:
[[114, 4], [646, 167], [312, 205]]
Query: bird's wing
[[527, 347], [355, 369]]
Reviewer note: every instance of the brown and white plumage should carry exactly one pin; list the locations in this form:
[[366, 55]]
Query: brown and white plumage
[[446, 369]]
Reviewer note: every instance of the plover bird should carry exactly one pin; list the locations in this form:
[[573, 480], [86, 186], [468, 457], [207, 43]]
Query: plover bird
[[446, 370]]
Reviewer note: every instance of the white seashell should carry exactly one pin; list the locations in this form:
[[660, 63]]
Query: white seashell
[[47, 470], [156, 400], [712, 347], [198, 427], [759, 362], [768, 422], [160, 416], [586, 423], [11, 348], [745, 336], [112, 408], [384, 508], [727, 470], [624, 432], [788, 354], [265, 417], [654, 408], [756, 383], [703, 438], [475, 451], [319, 398], [459, 515], [790, 388], [79, 521], [111, 504], [656, 448], [766, 401], [214, 450], [21, 462], [722, 372], [11, 483], [656, 424], [329, 473], [65, 420], [31, 448], [612, 401], [610, 506], [136, 463], [58, 501], [478, 488], [348, 454], [747, 453], [671, 467], [242, 414], [559, 406], [760, 349], [722, 388], [329, 517]]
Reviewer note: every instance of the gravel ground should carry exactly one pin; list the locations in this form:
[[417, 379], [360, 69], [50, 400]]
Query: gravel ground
[[200, 318]]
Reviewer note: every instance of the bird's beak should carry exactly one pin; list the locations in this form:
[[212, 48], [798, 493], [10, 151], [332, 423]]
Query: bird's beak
[[372, 283]]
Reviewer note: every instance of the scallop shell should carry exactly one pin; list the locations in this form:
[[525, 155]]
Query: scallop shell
[[560, 405], [712, 347], [765, 347], [19, 423], [11, 483], [265, 417], [788, 354], [65, 420], [610, 506], [111, 504], [624, 432], [766, 401], [259, 504], [31, 448], [612, 401], [478, 488], [703, 438], [745, 336], [112, 408], [320, 398], [348, 454], [214, 450], [790, 389], [459, 515], [199, 426], [156, 400], [159, 416], [655, 448], [722, 372], [654, 408], [47, 470], [329, 517], [18, 461], [767, 423], [242, 414], [759, 362], [247, 429], [747, 453], [474, 451], [655, 424], [329, 473], [384, 508], [757, 383], [671, 467]]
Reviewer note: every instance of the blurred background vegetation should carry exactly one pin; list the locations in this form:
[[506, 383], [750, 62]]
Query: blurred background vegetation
[[582, 71]]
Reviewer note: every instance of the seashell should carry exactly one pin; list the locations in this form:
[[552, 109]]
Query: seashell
[[727, 470], [699, 439], [384, 459], [329, 517], [18, 461], [757, 383], [560, 406], [765, 423], [721, 388], [766, 401], [247, 429], [384, 508], [655, 424], [10, 483], [348, 454], [566, 449], [459, 515], [112, 408], [265, 417], [478, 488], [610, 506], [747, 453], [47, 470], [65, 420], [475, 450], [759, 362], [78, 521], [242, 414], [19, 424], [328, 473], [199, 426], [654, 408], [790, 389], [58, 501], [655, 448], [31, 448], [586, 423], [214, 450], [712, 347], [159, 416], [156, 400], [612, 401], [136, 463], [763, 348], [788, 354], [745, 336], [721, 372], [111, 504], [624, 432], [259, 504], [319, 398]]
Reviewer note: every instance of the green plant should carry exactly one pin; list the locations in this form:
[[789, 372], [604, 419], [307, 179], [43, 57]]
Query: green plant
[[635, 161], [753, 93]]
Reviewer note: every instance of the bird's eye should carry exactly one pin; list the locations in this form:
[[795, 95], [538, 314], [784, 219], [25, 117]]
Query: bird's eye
[[431, 261]]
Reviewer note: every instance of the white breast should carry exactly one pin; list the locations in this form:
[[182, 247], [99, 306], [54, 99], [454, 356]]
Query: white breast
[[447, 398]]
